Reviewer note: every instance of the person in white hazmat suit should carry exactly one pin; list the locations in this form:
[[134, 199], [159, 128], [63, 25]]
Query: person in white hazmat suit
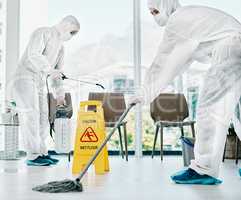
[[43, 57], [206, 35]]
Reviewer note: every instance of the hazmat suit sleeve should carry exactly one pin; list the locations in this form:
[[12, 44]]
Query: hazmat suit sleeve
[[35, 52], [56, 77], [171, 60]]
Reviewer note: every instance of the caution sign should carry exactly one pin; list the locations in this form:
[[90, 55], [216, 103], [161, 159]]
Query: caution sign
[[90, 133], [89, 136]]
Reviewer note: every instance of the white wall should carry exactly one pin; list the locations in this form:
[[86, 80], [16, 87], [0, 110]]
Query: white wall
[[2, 51], [23, 17], [12, 42], [34, 14]]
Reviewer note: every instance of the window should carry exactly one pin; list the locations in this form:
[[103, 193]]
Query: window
[[192, 79], [103, 52], [2, 51], [123, 84], [2, 62], [151, 38], [192, 95]]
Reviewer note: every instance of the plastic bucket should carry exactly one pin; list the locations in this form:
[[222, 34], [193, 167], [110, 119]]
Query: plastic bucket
[[11, 137], [187, 150]]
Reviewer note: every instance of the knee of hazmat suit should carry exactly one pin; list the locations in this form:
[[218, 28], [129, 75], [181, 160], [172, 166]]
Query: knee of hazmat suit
[[192, 30], [43, 56], [215, 108]]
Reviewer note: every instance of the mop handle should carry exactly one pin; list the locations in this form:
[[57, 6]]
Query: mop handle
[[105, 142]]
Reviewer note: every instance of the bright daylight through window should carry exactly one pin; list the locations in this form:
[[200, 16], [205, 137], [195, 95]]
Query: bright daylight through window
[[103, 53]]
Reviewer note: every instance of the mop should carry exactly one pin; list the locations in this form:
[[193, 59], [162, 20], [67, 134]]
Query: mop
[[69, 185]]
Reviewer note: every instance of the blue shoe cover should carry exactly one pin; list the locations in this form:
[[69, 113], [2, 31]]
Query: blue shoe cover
[[50, 159], [190, 176], [39, 161], [240, 171]]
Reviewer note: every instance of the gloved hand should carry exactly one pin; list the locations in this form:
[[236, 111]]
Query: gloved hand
[[56, 74], [61, 101]]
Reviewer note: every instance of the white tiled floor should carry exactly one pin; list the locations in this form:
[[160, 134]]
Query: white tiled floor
[[138, 179]]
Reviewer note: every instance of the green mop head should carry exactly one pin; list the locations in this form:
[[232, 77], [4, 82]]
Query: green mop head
[[64, 186]]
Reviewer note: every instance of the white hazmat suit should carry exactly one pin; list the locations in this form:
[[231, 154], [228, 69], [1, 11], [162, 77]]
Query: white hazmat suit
[[42, 57], [207, 35]]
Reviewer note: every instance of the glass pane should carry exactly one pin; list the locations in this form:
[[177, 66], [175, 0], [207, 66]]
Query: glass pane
[[151, 38], [192, 79], [2, 63], [2, 50], [101, 53]]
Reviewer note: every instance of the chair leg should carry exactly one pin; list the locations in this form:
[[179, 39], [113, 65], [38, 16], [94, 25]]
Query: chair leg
[[237, 149], [161, 142], [224, 153], [182, 131], [193, 130], [69, 157], [121, 143], [155, 139], [126, 142]]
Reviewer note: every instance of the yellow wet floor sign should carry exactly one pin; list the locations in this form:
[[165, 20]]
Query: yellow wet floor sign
[[90, 133]]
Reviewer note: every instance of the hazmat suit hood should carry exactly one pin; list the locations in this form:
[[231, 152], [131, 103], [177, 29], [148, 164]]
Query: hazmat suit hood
[[68, 27], [165, 7]]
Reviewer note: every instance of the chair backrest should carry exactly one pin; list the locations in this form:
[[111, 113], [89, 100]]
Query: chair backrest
[[169, 107], [53, 104], [113, 104]]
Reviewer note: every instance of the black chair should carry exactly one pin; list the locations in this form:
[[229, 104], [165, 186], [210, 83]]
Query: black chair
[[232, 132], [169, 110], [113, 106]]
